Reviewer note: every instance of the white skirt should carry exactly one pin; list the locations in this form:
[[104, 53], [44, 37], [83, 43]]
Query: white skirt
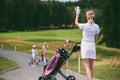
[[88, 50]]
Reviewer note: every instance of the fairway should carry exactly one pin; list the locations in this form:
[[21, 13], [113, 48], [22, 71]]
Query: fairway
[[47, 35]]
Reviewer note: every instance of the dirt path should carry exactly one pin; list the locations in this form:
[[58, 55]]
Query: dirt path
[[26, 72]]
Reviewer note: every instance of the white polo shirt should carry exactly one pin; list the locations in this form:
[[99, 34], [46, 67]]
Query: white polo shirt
[[33, 52], [89, 31]]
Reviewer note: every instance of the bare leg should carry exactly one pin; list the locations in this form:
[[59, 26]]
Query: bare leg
[[91, 65], [88, 63], [44, 59]]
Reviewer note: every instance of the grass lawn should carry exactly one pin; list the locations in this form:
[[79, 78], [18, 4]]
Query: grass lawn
[[107, 64], [47, 35], [1, 78], [6, 64]]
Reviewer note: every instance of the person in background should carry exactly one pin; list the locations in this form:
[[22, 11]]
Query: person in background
[[44, 51], [34, 53], [90, 36]]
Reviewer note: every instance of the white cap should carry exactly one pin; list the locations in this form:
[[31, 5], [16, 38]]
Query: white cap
[[34, 46], [44, 43]]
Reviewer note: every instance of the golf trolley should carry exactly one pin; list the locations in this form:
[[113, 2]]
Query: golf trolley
[[41, 59], [56, 62]]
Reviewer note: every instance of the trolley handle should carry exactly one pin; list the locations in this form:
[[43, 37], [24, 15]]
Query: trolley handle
[[76, 47]]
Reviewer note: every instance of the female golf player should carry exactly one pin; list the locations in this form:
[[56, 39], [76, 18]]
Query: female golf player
[[90, 36]]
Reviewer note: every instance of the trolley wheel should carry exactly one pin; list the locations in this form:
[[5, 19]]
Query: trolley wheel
[[37, 63], [71, 78], [52, 78], [29, 64], [41, 78]]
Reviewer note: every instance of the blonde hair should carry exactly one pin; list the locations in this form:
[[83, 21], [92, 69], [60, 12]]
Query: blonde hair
[[90, 14]]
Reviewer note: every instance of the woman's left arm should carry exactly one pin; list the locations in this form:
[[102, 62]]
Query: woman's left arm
[[96, 37]]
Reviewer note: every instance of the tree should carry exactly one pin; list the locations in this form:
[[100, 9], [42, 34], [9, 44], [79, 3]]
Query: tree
[[2, 14], [110, 11]]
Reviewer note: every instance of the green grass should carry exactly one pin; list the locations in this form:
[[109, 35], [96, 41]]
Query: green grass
[[40, 36], [6, 64], [107, 65], [107, 72], [1, 78], [104, 53]]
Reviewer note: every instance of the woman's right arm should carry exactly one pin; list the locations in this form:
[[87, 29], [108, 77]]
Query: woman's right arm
[[76, 20], [77, 10]]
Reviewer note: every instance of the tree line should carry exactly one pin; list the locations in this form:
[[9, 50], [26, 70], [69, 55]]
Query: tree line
[[37, 14]]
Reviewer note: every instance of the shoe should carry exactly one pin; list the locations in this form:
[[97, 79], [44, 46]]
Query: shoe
[[33, 65]]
